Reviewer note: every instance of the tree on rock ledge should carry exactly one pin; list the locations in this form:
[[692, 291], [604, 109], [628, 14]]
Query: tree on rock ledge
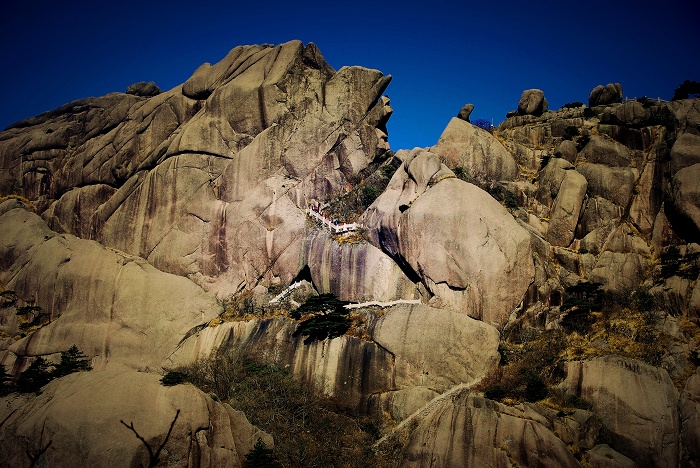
[[329, 318], [72, 360], [36, 376], [687, 89]]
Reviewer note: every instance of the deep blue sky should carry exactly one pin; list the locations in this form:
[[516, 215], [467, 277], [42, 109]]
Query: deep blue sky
[[441, 54]]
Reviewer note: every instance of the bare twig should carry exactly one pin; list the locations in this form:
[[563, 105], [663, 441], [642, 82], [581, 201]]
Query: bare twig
[[153, 458], [35, 458]]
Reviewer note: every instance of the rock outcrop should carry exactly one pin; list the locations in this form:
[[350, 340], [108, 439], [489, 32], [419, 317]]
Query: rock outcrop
[[486, 246], [78, 418], [476, 151], [144, 89], [118, 308], [532, 102], [396, 353], [465, 112], [230, 158], [690, 421], [636, 402], [605, 95], [136, 220], [469, 430]]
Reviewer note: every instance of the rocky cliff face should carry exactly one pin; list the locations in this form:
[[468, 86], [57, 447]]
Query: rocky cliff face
[[134, 219], [226, 159]]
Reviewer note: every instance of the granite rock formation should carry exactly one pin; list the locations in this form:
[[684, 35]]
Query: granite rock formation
[[130, 222]]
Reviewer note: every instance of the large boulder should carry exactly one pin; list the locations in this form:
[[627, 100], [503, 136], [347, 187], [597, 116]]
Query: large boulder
[[619, 272], [469, 430], [612, 183], [144, 89], [465, 112], [415, 334], [690, 421], [356, 271], [605, 95], [636, 402], [603, 151], [630, 114], [568, 150], [602, 456], [685, 152], [684, 206], [400, 404], [77, 421], [477, 151], [532, 102], [566, 209], [462, 252]]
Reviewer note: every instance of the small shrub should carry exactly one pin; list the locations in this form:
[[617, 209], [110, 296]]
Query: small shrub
[[482, 124], [510, 201], [578, 320], [583, 298], [308, 429], [496, 393], [369, 193], [572, 105], [388, 170], [261, 457], [570, 132], [8, 297], [535, 388], [545, 160], [460, 172], [6, 385], [582, 142], [173, 378], [579, 403], [674, 264], [695, 357], [320, 327], [643, 300]]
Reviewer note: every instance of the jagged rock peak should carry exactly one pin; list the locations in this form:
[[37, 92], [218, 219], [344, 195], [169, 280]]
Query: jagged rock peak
[[226, 159], [277, 60]]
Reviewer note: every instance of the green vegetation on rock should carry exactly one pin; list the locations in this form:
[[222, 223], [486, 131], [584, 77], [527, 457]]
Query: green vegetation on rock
[[308, 429], [323, 316]]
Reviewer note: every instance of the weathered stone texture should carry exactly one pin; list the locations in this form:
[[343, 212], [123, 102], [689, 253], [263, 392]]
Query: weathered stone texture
[[79, 416], [478, 152], [636, 402]]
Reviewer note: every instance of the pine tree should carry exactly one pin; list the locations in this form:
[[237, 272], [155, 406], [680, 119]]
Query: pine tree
[[328, 318], [261, 457], [6, 385], [36, 376], [72, 360]]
